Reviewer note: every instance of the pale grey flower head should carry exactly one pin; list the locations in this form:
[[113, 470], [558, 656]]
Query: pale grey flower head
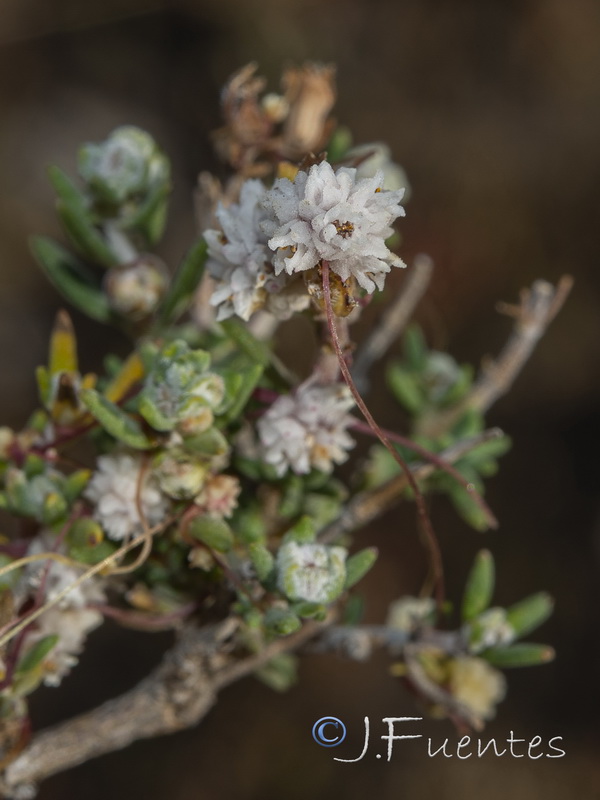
[[308, 429], [73, 616], [330, 215], [239, 258]]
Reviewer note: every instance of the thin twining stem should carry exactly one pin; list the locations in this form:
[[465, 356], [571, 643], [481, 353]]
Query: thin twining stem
[[437, 569]]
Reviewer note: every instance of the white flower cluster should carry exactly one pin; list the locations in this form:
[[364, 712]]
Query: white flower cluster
[[113, 490], [322, 214], [239, 259], [307, 429], [330, 215]]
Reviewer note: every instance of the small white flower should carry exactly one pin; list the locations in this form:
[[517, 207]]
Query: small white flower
[[312, 572], [307, 429], [332, 216], [113, 489], [477, 685], [408, 613]]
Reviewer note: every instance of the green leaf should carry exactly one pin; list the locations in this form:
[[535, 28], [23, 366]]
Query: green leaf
[[479, 587], [262, 560], [213, 532], [92, 554], [354, 610], [256, 350], [523, 654], [66, 273], [466, 507], [358, 565], [208, 443], [184, 283], [282, 621], [75, 215], [528, 614], [246, 381], [308, 610], [280, 673], [302, 532], [290, 502], [36, 654], [151, 216], [415, 347], [405, 388], [114, 420], [339, 144]]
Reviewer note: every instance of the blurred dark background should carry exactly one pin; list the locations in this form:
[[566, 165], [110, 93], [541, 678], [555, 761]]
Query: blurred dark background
[[493, 108]]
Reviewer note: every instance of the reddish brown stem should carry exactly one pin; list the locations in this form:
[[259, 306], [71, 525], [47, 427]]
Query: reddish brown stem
[[435, 555], [433, 458]]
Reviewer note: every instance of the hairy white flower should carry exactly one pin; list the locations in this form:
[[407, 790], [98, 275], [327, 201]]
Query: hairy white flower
[[477, 685], [113, 489], [312, 572], [307, 429], [332, 216]]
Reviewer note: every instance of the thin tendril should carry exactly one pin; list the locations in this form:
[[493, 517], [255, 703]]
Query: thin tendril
[[432, 542], [97, 568]]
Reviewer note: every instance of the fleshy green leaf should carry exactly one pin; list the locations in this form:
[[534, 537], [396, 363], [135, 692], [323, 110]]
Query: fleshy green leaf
[[34, 656], [523, 654], [528, 614], [67, 274], [415, 347], [479, 587], [405, 388], [248, 380], [262, 560], [280, 673], [185, 282], [76, 218], [256, 350], [282, 621], [114, 420], [358, 565], [213, 532]]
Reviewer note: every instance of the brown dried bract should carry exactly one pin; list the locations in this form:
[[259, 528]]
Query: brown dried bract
[[260, 130], [310, 92]]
